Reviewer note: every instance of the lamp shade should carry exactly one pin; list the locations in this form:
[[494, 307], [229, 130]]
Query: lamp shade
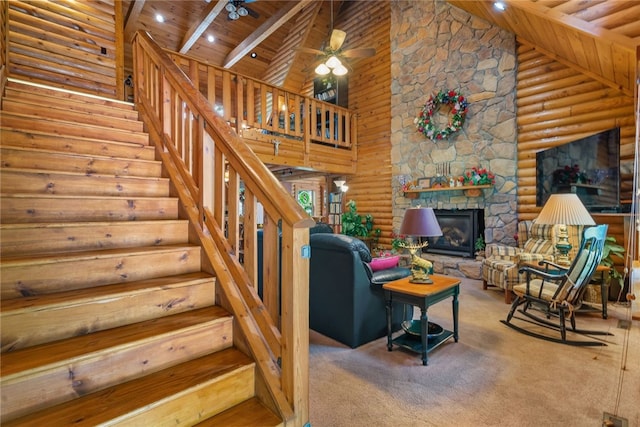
[[420, 222], [565, 209]]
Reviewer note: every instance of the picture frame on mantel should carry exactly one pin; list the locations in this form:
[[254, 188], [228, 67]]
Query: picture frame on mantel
[[423, 182]]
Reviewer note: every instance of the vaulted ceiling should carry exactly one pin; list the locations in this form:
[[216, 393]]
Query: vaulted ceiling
[[600, 37]]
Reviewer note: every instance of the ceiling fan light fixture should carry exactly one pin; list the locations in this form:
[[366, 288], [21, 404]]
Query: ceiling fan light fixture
[[233, 15], [230, 7], [322, 69], [333, 62], [340, 70], [242, 11]]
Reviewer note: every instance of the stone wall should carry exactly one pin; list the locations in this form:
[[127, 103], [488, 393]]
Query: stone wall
[[436, 46]]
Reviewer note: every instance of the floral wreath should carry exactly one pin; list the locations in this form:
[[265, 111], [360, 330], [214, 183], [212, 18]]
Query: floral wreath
[[458, 105]]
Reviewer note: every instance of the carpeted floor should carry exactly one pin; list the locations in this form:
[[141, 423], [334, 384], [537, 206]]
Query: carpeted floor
[[494, 376]]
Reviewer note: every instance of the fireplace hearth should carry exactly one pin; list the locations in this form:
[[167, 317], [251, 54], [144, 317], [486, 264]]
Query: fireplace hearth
[[460, 229]]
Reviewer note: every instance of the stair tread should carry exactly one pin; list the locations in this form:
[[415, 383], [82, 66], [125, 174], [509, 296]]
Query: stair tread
[[44, 356], [97, 293], [3, 146], [106, 129], [31, 87], [92, 254], [6, 143], [82, 174], [73, 103], [251, 412], [113, 402], [67, 196], [53, 111], [85, 224]]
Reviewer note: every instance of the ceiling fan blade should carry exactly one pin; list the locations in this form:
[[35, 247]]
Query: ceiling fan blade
[[252, 13], [363, 52], [337, 38], [310, 50]]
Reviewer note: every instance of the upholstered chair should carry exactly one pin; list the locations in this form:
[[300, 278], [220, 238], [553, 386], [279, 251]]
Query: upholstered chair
[[536, 242]]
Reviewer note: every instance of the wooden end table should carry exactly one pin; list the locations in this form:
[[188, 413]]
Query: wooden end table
[[423, 296]]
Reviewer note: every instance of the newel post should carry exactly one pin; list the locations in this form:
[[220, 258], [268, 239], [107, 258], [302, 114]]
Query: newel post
[[295, 319]]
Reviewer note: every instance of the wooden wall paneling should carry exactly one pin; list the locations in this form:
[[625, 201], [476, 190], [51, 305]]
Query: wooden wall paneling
[[370, 98], [558, 104], [69, 45]]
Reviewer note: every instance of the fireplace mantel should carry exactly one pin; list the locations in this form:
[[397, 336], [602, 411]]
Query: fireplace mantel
[[414, 194]]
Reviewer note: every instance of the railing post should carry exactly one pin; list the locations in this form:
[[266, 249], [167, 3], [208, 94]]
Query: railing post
[[295, 319]]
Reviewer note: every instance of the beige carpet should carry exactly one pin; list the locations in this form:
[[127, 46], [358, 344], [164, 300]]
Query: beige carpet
[[494, 376]]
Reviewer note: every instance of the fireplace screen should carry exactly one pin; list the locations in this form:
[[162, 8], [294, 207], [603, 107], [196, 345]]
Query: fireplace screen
[[460, 229]]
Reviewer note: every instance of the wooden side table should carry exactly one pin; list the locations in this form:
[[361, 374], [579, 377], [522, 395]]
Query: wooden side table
[[423, 296]]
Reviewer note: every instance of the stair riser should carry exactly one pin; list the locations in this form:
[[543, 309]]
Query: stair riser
[[25, 182], [10, 120], [95, 371], [23, 210], [32, 326], [64, 96], [74, 145], [43, 276], [55, 113], [180, 395], [25, 239], [90, 165], [199, 403], [47, 100]]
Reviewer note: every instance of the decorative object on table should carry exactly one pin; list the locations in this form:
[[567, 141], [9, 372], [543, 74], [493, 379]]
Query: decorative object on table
[[564, 209], [458, 107], [420, 222]]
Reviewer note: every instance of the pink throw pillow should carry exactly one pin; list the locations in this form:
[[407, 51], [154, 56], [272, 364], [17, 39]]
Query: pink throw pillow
[[383, 263]]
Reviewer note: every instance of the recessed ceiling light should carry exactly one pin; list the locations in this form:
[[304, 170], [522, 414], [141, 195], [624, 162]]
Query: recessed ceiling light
[[500, 5], [210, 38], [159, 18], [254, 55]]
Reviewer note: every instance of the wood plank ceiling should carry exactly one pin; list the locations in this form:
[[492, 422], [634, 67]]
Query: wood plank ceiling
[[599, 37]]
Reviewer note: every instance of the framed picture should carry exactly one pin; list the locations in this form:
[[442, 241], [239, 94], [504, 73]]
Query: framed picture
[[424, 183]]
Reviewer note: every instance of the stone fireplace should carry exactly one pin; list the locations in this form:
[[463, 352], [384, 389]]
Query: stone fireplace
[[460, 229]]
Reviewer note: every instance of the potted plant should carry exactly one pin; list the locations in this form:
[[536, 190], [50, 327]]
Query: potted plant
[[612, 249], [479, 247], [354, 224]]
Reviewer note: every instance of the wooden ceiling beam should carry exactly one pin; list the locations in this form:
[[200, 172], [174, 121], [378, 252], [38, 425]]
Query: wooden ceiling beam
[[264, 31], [132, 19], [209, 13]]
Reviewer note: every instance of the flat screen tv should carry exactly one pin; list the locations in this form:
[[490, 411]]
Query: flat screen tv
[[589, 167]]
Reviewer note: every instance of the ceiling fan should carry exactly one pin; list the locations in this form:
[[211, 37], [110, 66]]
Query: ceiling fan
[[332, 55], [237, 8]]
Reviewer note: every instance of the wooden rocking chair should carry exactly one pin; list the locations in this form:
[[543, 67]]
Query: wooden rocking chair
[[557, 291]]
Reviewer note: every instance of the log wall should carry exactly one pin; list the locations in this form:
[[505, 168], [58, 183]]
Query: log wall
[[69, 45], [558, 104], [370, 99]]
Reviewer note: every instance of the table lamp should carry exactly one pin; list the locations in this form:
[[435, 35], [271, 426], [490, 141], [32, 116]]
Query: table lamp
[[564, 209], [419, 222]]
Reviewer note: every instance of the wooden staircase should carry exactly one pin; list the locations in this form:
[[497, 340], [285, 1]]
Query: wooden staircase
[[106, 314]]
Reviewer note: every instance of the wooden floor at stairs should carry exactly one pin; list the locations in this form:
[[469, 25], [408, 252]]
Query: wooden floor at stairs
[[106, 313]]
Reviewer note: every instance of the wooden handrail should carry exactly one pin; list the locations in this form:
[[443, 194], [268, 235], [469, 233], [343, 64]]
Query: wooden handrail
[[251, 104], [199, 151]]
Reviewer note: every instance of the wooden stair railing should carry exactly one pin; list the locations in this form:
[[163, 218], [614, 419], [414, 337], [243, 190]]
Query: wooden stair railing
[[312, 133], [198, 148]]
